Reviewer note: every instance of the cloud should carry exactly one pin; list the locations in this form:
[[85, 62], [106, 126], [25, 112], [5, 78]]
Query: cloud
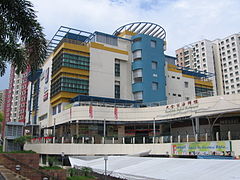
[[185, 21]]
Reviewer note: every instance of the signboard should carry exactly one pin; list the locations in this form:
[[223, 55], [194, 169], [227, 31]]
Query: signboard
[[181, 107], [201, 148], [68, 106]]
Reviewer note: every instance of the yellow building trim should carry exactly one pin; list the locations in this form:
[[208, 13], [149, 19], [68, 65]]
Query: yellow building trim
[[102, 47], [69, 51], [171, 66], [203, 83], [71, 71], [62, 95], [72, 47], [126, 32], [174, 70], [59, 101], [188, 76]]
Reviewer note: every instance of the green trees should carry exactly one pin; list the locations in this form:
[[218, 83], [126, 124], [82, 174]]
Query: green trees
[[22, 140], [22, 41]]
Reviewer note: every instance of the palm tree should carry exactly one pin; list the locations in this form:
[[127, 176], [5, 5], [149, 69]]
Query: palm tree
[[22, 42]]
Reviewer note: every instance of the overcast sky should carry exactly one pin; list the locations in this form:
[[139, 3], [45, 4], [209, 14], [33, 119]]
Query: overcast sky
[[185, 21]]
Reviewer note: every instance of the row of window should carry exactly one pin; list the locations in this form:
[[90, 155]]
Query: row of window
[[70, 85], [231, 68], [70, 60]]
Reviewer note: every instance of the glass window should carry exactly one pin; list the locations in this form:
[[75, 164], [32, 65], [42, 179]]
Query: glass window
[[117, 68], [137, 54], [117, 89], [154, 86], [186, 84], [138, 95], [154, 65], [153, 43]]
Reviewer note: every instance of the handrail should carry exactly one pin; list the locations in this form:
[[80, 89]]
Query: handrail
[[37, 170]]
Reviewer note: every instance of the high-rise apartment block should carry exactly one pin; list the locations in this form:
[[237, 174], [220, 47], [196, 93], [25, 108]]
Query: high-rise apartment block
[[221, 57], [16, 101]]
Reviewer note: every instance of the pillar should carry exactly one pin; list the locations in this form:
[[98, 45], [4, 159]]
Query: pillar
[[197, 126]]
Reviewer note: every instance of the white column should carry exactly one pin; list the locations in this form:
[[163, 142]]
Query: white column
[[53, 140], [92, 140], [217, 136], [62, 140], [170, 139], [113, 140], [82, 140], [179, 138], [72, 140], [229, 135], [187, 138], [123, 140], [206, 136], [133, 140], [144, 140], [161, 139], [196, 137], [103, 140]]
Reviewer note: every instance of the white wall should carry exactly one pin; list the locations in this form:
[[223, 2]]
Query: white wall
[[45, 106], [177, 86], [102, 73]]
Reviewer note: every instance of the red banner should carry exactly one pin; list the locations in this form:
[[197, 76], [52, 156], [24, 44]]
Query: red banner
[[116, 113], [90, 111]]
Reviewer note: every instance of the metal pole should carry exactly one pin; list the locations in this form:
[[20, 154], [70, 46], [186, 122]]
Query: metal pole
[[105, 162], [154, 130], [62, 158], [54, 130], [104, 130]]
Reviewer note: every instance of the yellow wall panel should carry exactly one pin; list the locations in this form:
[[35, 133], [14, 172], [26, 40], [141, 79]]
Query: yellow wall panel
[[102, 47]]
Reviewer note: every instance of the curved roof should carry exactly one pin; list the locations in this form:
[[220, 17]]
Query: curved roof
[[147, 28]]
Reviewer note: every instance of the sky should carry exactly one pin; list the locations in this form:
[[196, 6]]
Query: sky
[[185, 21]]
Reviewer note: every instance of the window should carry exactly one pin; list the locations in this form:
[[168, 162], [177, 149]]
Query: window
[[173, 77], [138, 95], [137, 75], [107, 39], [137, 54], [153, 43], [154, 65], [187, 98], [117, 89], [54, 110], [186, 84], [117, 68], [137, 39], [154, 86], [59, 107]]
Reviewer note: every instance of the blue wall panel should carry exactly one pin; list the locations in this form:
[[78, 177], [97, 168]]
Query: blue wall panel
[[150, 75]]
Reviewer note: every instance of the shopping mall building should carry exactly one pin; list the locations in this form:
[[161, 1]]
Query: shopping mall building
[[100, 93]]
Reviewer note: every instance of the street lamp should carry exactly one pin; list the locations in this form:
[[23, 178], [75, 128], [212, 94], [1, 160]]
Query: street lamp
[[62, 158], [18, 167], [105, 162]]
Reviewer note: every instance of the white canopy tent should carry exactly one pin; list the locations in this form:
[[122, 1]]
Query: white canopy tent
[[145, 168]]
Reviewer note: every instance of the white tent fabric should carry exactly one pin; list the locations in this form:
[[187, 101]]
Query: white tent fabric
[[145, 168]]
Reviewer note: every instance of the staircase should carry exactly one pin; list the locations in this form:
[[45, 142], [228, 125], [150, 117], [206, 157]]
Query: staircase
[[10, 175]]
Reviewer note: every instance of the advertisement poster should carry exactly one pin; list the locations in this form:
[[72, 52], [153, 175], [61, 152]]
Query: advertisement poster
[[201, 148]]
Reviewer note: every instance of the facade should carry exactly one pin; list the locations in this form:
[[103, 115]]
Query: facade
[[220, 57], [128, 67], [2, 101], [16, 101]]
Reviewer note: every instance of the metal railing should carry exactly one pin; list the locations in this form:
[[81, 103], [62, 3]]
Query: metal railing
[[218, 136]]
